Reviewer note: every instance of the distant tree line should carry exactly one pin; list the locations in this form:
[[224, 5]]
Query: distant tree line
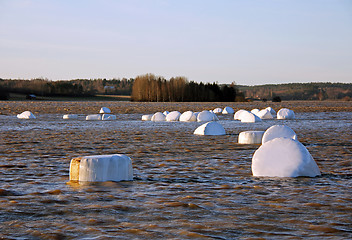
[[151, 88], [73, 88], [299, 91]]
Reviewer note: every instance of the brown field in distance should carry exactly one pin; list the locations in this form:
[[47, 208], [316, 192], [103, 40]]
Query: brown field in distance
[[89, 107]]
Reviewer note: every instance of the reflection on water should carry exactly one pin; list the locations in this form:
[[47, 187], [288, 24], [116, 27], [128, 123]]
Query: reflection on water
[[185, 186]]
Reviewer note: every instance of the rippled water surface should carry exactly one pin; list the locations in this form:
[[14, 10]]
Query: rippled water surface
[[185, 186]]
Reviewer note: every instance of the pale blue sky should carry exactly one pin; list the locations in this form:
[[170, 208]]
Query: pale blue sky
[[247, 41]]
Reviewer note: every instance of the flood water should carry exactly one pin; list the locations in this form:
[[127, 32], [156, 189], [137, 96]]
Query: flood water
[[185, 186]]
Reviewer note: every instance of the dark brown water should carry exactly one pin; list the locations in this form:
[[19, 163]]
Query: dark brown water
[[185, 186]]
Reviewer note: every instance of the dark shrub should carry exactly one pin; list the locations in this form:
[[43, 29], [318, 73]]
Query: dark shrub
[[276, 99]]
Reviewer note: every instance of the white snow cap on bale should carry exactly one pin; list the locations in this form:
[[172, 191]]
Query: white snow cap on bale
[[255, 111], [173, 116], [283, 157], [250, 137], [278, 131], [188, 116], [108, 117], [26, 115], [158, 117], [237, 115], [217, 110], [100, 168], [147, 117], [264, 114], [228, 110], [272, 111], [248, 117], [166, 113], [210, 128], [70, 116], [206, 116], [93, 117], [104, 110], [285, 113]]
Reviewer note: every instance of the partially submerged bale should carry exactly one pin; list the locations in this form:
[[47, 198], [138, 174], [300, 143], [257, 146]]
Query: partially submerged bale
[[206, 116], [248, 117], [70, 116], [105, 110], [188, 116], [210, 128], [147, 117], [278, 131], [272, 111], [100, 168], [283, 157], [26, 115], [250, 137], [237, 115], [173, 116], [93, 117], [217, 110], [228, 110], [108, 117], [264, 114], [285, 113], [158, 117], [255, 111]]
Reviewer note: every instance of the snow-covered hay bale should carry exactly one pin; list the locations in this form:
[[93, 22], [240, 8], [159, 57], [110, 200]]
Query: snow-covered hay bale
[[248, 117], [188, 116], [105, 110], [158, 117], [26, 115], [210, 128], [228, 110], [93, 117], [264, 114], [283, 157], [285, 113], [173, 116], [108, 117], [217, 110], [237, 115], [100, 168], [278, 131], [70, 116], [250, 137], [147, 117], [272, 111], [206, 116], [255, 111]]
